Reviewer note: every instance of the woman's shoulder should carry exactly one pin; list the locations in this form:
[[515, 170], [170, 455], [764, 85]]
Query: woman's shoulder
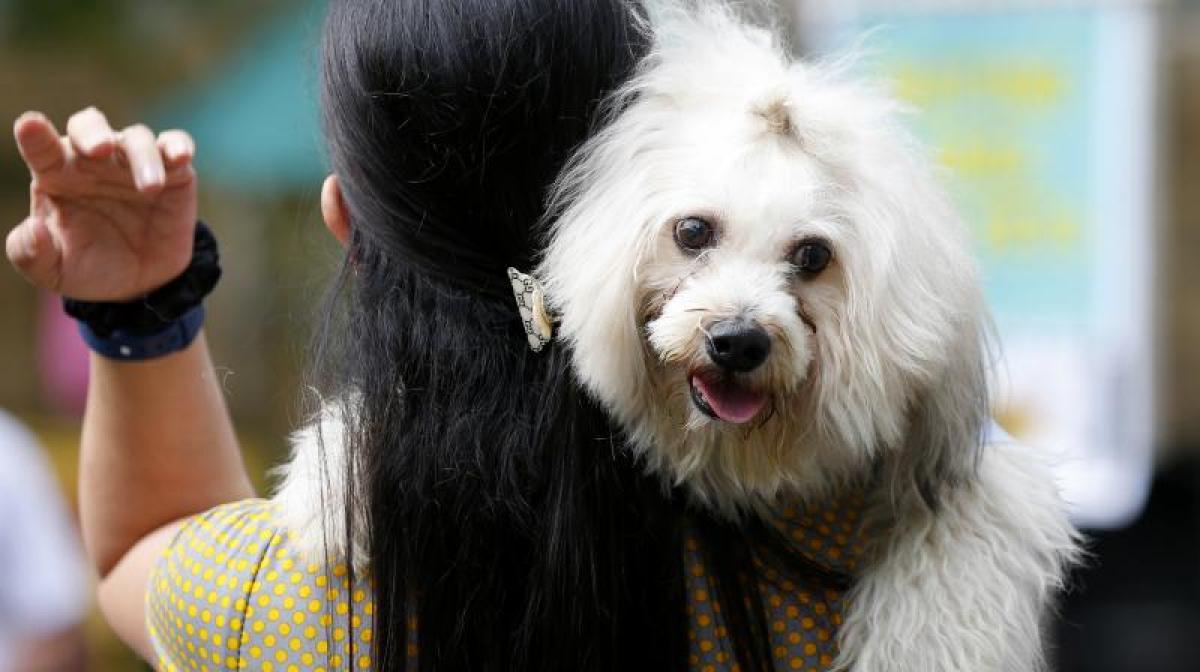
[[232, 591]]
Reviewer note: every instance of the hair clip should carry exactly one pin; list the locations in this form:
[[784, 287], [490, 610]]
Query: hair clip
[[531, 303]]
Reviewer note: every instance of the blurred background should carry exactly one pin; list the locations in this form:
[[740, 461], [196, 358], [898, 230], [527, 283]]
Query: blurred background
[[1069, 132]]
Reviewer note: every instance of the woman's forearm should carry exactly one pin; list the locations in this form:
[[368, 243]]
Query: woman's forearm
[[158, 445]]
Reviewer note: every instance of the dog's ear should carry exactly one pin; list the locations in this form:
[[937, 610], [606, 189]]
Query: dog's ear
[[917, 319], [932, 325], [946, 421], [596, 228]]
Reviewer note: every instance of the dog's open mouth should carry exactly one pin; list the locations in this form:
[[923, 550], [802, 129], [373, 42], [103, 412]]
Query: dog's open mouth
[[723, 398]]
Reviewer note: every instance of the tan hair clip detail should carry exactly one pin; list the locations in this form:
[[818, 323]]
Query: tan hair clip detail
[[531, 303]]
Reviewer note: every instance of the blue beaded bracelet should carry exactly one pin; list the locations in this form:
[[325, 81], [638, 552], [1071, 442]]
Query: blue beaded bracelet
[[134, 347]]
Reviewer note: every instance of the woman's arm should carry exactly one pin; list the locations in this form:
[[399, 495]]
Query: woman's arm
[[157, 446], [112, 217]]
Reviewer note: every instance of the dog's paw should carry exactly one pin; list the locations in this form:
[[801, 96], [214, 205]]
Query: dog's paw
[[965, 587]]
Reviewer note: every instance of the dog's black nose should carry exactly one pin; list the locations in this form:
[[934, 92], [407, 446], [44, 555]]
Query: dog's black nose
[[738, 344]]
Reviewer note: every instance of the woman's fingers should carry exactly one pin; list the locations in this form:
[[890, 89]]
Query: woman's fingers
[[39, 143], [145, 163], [90, 134], [177, 148]]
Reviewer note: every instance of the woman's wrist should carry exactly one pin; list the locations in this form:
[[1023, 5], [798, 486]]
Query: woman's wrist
[[133, 346], [163, 321]]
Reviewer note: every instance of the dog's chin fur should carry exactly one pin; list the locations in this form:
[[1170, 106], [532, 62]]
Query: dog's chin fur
[[877, 367]]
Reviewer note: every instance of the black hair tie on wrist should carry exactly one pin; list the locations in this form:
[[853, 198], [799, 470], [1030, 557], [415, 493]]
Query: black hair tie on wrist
[[162, 307]]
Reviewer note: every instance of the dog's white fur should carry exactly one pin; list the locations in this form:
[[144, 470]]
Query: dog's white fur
[[966, 587], [877, 367], [311, 493]]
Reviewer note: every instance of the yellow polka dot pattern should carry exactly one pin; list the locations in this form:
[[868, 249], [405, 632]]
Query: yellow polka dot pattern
[[228, 594], [802, 620]]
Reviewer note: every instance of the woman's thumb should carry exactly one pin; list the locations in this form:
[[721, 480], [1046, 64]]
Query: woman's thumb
[[32, 251]]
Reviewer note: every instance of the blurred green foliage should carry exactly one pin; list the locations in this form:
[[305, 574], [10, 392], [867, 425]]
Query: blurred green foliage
[[141, 45], [32, 21]]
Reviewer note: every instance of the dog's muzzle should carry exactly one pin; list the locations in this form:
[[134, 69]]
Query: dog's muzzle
[[735, 346]]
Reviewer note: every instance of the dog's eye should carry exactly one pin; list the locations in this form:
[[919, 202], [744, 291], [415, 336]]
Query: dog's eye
[[693, 233], [811, 257]]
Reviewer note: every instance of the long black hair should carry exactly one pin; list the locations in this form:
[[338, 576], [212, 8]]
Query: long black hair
[[502, 513], [506, 521]]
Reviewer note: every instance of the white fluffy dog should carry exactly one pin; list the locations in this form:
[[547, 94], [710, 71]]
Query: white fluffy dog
[[760, 278]]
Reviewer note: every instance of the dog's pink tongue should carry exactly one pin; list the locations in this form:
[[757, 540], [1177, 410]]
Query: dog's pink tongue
[[730, 401]]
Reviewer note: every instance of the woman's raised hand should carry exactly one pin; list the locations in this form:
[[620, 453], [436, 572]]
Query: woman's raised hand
[[111, 215]]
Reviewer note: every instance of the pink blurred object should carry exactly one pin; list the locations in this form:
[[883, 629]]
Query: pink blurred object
[[62, 358]]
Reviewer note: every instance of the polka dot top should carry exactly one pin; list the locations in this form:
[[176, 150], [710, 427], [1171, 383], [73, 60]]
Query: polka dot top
[[231, 593]]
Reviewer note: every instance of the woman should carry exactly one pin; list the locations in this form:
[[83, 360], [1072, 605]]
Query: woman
[[487, 499]]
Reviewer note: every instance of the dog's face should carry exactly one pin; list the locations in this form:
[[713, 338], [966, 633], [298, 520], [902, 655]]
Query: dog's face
[[759, 278]]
